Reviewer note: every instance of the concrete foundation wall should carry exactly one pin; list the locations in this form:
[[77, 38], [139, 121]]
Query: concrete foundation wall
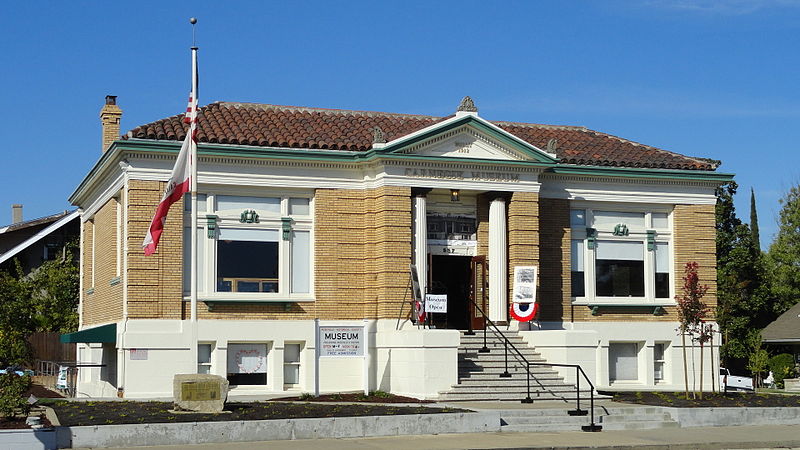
[[587, 344], [410, 361]]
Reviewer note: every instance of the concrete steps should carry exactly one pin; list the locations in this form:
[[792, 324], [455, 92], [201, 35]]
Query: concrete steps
[[479, 372], [558, 419]]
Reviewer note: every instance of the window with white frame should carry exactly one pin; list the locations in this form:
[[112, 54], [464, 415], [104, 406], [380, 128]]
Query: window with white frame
[[619, 256], [252, 247], [623, 361], [291, 363], [204, 357], [247, 364], [659, 355]]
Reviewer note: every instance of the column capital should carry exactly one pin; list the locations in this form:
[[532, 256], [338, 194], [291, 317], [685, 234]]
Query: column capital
[[420, 192], [498, 195]]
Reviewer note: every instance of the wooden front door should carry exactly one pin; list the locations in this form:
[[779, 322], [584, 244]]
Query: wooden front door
[[479, 292]]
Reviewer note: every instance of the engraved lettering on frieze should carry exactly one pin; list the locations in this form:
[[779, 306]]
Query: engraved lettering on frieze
[[462, 175], [435, 173]]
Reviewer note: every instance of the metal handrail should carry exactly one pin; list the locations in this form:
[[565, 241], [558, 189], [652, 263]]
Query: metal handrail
[[578, 411], [579, 371], [506, 344]]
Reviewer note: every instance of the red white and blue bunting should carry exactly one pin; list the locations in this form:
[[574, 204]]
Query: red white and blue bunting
[[524, 312]]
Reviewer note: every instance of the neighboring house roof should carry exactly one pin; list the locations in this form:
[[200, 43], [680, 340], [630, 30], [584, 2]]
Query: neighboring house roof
[[785, 328], [32, 223], [335, 129], [66, 217]]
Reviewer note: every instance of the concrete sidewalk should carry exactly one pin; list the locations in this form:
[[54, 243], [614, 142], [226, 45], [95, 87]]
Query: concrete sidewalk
[[751, 437]]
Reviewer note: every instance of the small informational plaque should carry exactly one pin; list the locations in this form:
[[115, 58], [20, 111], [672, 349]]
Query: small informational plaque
[[341, 341], [524, 284], [138, 354], [200, 390], [435, 303]]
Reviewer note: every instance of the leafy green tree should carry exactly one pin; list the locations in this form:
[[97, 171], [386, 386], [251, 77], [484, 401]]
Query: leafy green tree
[[54, 295], [691, 312], [44, 300], [758, 358], [15, 321], [784, 254], [743, 294], [781, 366]]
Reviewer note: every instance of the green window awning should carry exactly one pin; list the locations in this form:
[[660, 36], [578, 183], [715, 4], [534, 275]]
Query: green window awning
[[102, 334]]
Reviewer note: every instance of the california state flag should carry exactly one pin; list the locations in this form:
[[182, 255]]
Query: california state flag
[[179, 183]]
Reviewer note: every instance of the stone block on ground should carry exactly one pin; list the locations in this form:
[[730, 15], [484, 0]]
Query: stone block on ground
[[199, 392], [791, 384]]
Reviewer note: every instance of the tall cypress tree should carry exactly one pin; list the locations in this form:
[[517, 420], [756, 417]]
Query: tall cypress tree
[[742, 292], [754, 221]]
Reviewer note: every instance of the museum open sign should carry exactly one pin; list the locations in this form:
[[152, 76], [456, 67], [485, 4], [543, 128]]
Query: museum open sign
[[341, 341]]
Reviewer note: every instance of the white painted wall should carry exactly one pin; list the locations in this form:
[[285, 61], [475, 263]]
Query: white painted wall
[[407, 361], [415, 362], [587, 343]]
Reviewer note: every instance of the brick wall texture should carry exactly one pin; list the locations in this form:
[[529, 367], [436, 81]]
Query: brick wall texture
[[555, 303], [102, 301], [362, 252], [155, 283], [110, 116], [693, 239], [523, 233]]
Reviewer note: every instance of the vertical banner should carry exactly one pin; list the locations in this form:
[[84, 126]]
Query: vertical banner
[[524, 306]]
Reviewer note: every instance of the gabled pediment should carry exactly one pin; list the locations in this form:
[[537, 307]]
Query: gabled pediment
[[465, 142], [467, 137]]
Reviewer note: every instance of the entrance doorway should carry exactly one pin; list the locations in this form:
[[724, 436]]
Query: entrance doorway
[[450, 275]]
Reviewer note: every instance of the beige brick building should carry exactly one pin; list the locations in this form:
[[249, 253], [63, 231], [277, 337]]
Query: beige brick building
[[309, 221]]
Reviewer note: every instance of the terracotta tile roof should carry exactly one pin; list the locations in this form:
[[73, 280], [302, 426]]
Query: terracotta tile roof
[[335, 129]]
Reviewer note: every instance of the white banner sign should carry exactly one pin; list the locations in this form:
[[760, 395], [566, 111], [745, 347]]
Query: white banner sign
[[341, 341], [435, 303], [524, 284], [247, 358]]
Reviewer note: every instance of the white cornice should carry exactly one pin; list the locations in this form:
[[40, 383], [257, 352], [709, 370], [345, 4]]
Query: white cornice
[[627, 190], [114, 185]]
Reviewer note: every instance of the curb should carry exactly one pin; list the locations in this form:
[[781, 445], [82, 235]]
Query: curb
[[132, 435]]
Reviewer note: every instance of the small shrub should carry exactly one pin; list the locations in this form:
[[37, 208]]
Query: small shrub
[[380, 394], [782, 366], [306, 396], [12, 391], [336, 397]]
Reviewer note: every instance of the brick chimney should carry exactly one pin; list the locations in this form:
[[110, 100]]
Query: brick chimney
[[110, 115], [16, 214]]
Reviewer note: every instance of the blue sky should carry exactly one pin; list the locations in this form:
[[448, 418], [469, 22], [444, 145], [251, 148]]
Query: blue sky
[[717, 79]]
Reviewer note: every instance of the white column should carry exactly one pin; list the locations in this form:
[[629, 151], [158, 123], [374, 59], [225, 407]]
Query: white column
[[498, 251], [420, 240]]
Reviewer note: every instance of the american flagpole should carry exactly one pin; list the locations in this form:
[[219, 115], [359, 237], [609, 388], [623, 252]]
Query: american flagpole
[[193, 183], [193, 191]]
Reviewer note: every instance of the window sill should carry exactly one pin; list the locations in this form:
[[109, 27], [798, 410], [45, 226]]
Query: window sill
[[251, 298], [655, 306], [622, 301]]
